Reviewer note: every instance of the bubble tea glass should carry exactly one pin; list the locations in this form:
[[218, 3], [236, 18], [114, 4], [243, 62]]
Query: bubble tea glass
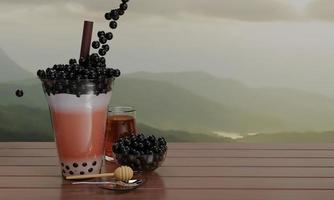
[[121, 122], [78, 110]]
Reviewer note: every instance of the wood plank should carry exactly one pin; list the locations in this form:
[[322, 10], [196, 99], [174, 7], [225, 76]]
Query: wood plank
[[196, 153], [188, 171], [192, 162], [157, 182], [152, 194], [312, 146]]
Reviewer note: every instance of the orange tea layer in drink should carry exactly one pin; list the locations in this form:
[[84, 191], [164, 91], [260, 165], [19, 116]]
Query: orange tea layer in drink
[[79, 126], [77, 131]]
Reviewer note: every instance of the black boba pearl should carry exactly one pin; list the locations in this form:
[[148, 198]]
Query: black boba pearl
[[123, 6], [71, 173], [116, 72], [125, 1], [114, 14], [98, 65], [107, 16], [96, 44], [102, 60], [56, 67], [101, 34], [105, 47], [92, 75], [103, 65], [120, 12], [72, 61], [94, 57], [41, 73], [61, 75], [85, 76], [140, 145], [127, 142], [94, 163], [48, 71], [62, 164], [82, 173], [103, 40], [109, 73], [67, 167], [102, 52], [90, 170], [113, 24], [71, 76], [75, 165], [84, 164], [109, 35], [19, 93]]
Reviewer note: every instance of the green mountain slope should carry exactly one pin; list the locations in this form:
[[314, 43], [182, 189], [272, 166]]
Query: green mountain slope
[[161, 105], [297, 110], [33, 94], [20, 123], [166, 106], [10, 71]]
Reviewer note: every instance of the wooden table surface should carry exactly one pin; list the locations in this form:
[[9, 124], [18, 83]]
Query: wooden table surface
[[30, 171]]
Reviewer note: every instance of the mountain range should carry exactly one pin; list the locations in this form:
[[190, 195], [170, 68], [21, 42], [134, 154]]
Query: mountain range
[[195, 102], [10, 71], [293, 109]]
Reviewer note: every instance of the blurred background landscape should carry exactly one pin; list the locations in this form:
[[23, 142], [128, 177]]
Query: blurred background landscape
[[196, 71]]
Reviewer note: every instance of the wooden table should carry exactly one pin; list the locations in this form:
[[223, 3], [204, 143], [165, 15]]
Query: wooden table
[[29, 171]]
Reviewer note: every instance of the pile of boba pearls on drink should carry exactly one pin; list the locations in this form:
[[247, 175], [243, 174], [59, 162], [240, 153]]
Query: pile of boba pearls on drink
[[74, 77]]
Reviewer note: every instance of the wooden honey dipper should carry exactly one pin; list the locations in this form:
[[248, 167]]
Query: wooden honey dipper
[[123, 173]]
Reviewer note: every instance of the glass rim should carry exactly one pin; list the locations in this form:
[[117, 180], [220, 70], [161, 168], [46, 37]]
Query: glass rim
[[121, 109], [87, 79]]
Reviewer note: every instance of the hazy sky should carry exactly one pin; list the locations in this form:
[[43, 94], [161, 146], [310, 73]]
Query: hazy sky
[[287, 43]]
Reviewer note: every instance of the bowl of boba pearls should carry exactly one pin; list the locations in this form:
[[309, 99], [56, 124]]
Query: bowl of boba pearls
[[140, 152]]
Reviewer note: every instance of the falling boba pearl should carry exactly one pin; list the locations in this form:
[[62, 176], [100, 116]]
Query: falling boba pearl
[[72, 61], [107, 16], [102, 52], [105, 47], [114, 15], [116, 72], [120, 12], [103, 40], [19, 93], [96, 44], [113, 24], [123, 6], [109, 35], [100, 34]]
